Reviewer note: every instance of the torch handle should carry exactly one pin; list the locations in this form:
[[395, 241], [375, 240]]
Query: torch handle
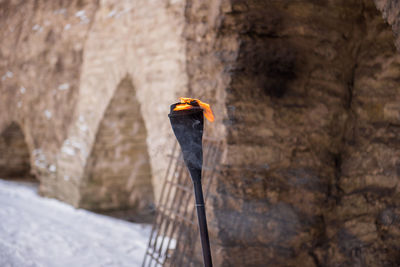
[[201, 216]]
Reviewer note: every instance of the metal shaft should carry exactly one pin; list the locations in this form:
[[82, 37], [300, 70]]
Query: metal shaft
[[201, 216]]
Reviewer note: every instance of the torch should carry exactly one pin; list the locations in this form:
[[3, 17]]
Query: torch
[[187, 121]]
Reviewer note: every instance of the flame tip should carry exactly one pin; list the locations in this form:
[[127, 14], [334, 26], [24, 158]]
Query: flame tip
[[187, 103]]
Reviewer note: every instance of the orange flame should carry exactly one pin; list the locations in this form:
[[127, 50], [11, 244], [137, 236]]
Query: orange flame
[[182, 107], [186, 104]]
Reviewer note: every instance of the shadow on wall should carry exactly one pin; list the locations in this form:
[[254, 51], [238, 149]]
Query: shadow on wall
[[14, 155], [117, 177]]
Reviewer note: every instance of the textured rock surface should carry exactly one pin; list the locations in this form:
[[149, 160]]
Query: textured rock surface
[[311, 95], [391, 13]]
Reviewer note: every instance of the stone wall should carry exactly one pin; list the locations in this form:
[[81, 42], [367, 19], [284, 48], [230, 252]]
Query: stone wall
[[41, 54], [126, 40], [61, 64], [309, 175]]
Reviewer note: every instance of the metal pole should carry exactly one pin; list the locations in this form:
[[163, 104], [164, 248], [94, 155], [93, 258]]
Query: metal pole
[[201, 216]]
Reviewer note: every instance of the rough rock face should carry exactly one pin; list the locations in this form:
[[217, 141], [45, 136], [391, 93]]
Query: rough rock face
[[391, 13], [311, 172]]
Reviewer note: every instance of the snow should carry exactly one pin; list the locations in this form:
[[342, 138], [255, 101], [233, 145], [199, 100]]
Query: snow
[[68, 150], [112, 13], [40, 158], [37, 27], [47, 113], [64, 86], [60, 11], [73, 146], [40, 232], [52, 168], [9, 74], [81, 14]]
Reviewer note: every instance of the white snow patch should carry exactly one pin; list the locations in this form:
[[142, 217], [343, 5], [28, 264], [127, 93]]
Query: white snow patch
[[36, 231], [83, 127], [112, 13], [52, 168], [163, 246], [67, 27], [60, 11], [68, 150], [22, 90], [37, 27], [71, 147], [116, 14], [63, 87], [81, 14], [85, 21], [8, 74], [48, 113], [82, 124], [40, 158]]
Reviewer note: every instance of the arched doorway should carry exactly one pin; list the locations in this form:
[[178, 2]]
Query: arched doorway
[[14, 154], [117, 177]]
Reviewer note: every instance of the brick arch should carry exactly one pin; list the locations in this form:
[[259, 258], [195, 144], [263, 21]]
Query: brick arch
[[117, 174], [14, 154]]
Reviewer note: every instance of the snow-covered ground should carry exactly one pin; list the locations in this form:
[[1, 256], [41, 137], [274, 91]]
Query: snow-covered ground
[[36, 231]]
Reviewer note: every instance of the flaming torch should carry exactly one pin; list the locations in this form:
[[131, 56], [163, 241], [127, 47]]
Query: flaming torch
[[187, 121]]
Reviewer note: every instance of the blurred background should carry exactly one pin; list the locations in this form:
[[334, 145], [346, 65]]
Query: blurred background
[[306, 96]]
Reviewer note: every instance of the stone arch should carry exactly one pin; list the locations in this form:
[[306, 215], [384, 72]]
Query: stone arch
[[118, 173], [14, 154], [158, 70]]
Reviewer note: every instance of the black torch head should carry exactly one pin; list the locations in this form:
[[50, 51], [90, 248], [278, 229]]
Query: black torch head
[[188, 127]]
